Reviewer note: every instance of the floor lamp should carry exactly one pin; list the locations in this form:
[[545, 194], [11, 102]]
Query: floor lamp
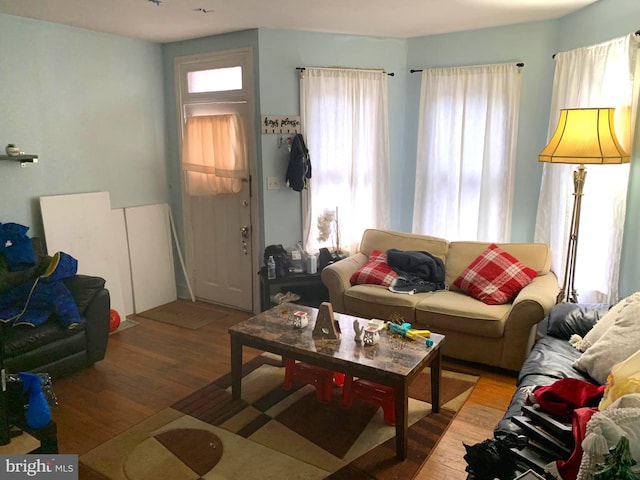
[[583, 136]]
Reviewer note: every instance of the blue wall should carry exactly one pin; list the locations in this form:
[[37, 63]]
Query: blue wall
[[91, 105], [280, 53]]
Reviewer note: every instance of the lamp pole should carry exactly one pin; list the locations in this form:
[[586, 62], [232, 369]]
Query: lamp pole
[[568, 288]]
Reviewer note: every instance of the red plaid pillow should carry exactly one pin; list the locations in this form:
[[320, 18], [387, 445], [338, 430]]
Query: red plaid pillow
[[495, 277], [376, 271]]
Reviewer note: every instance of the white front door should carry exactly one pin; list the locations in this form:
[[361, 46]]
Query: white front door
[[219, 229], [222, 248]]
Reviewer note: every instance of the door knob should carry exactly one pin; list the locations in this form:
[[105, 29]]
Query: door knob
[[244, 231]]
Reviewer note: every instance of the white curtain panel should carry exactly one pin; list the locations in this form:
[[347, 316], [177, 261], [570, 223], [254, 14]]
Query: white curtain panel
[[466, 152], [345, 125], [214, 155], [596, 76]]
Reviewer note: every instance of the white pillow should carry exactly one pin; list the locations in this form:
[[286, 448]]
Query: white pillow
[[604, 430], [603, 324], [617, 343]]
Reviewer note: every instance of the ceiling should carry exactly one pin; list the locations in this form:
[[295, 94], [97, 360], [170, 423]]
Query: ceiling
[[173, 20]]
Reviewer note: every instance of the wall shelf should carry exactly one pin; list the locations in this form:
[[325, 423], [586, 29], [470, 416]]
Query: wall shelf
[[23, 158]]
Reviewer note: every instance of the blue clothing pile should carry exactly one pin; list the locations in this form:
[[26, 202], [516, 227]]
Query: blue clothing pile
[[35, 299]]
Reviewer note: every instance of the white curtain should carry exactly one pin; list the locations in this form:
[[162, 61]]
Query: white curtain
[[214, 155], [466, 152], [345, 125], [597, 76]]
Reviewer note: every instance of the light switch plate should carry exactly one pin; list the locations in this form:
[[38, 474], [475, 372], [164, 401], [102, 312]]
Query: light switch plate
[[273, 183]]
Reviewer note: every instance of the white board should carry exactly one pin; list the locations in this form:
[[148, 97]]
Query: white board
[[151, 256], [119, 237], [81, 225]]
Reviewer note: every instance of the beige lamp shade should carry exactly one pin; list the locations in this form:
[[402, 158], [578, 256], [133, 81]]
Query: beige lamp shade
[[584, 136]]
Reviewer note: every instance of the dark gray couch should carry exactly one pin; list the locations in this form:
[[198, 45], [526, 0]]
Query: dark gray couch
[[54, 349], [552, 357]]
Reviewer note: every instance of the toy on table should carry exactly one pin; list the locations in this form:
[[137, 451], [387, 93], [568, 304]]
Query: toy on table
[[406, 331], [400, 329]]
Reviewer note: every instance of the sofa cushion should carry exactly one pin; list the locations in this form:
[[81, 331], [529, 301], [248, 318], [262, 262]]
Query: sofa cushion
[[618, 342], [23, 338], [384, 240], [376, 271], [495, 276], [376, 301], [447, 310], [607, 320], [567, 319]]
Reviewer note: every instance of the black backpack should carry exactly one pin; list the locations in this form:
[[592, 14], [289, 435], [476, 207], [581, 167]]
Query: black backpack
[[281, 257]]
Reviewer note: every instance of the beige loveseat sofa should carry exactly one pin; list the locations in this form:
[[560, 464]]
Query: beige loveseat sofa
[[497, 335]]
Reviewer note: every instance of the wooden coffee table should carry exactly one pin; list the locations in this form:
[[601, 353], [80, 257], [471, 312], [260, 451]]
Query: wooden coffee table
[[384, 363]]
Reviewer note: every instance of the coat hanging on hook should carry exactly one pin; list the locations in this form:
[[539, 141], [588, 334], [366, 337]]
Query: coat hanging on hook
[[299, 169]]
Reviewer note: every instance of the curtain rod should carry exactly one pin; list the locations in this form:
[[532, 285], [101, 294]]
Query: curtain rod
[[520, 64], [300, 69], [636, 33]]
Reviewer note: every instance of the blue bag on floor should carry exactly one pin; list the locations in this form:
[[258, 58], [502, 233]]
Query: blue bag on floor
[[38, 413]]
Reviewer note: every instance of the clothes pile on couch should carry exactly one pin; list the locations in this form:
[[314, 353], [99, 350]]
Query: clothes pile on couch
[[54, 320], [40, 293], [584, 372]]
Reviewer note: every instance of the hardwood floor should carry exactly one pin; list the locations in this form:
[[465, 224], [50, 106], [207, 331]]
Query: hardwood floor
[[151, 365]]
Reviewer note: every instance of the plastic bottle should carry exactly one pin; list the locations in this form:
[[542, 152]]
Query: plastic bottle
[[271, 268]]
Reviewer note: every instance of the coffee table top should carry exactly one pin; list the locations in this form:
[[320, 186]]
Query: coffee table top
[[395, 355]]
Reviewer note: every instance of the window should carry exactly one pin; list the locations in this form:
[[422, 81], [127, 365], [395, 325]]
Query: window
[[215, 80], [344, 120], [214, 121], [214, 155], [466, 152]]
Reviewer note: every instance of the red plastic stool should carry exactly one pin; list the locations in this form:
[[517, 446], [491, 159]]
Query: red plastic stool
[[321, 378], [370, 392]]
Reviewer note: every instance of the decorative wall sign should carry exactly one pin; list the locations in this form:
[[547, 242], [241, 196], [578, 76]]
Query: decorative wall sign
[[281, 124]]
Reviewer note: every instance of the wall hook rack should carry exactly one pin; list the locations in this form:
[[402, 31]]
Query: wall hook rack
[[281, 141], [280, 124]]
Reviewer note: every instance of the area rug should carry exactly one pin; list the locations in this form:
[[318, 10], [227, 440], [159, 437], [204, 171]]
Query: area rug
[[184, 313], [273, 434]]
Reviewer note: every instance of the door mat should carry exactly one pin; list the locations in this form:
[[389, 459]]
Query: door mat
[[185, 314]]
